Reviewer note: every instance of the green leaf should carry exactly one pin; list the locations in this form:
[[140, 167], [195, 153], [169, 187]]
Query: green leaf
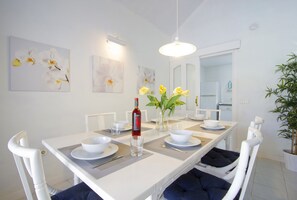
[[172, 101], [179, 103], [151, 104], [152, 98]]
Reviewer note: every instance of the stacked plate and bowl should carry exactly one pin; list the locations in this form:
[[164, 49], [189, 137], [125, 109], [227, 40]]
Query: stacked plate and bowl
[[182, 138], [96, 147], [212, 125]]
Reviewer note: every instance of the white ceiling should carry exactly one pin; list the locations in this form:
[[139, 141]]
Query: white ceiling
[[162, 13]]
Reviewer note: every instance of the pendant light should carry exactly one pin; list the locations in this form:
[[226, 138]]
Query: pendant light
[[177, 48]]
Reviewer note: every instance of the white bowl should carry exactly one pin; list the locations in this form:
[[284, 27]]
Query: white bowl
[[95, 144], [180, 136], [199, 116], [211, 123], [120, 124]]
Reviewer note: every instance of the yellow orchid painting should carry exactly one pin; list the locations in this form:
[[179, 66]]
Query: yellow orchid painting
[[108, 75], [146, 78], [38, 67]]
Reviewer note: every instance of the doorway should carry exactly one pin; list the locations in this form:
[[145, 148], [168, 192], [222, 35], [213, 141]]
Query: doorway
[[186, 72], [216, 84]]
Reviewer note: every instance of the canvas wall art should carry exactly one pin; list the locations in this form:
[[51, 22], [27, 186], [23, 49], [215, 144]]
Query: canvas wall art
[[146, 77], [108, 75], [36, 66]]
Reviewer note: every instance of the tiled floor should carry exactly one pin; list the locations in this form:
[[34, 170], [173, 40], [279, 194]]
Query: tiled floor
[[272, 181]]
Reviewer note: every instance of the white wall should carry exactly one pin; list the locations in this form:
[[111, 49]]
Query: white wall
[[82, 27], [217, 22]]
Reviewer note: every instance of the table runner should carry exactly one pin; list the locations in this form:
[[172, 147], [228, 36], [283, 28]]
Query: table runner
[[107, 132], [156, 146], [199, 129], [107, 168]]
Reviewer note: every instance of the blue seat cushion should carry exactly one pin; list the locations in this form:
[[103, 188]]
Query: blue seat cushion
[[197, 185], [219, 157], [78, 192]]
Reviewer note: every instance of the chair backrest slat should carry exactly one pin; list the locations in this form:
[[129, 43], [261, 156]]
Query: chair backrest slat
[[252, 158], [23, 176], [209, 113], [248, 152], [258, 122], [99, 121], [31, 157]]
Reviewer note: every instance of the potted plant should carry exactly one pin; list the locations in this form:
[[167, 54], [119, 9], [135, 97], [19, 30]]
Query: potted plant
[[286, 107]]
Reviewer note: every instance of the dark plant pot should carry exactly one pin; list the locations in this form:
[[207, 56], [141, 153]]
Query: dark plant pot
[[290, 160]]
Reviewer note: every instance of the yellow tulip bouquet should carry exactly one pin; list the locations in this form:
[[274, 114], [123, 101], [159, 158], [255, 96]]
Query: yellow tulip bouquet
[[165, 103]]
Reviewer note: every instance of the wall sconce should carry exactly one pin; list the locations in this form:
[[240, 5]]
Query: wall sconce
[[116, 40], [115, 47]]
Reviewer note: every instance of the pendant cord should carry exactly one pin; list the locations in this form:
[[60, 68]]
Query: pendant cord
[[176, 20]]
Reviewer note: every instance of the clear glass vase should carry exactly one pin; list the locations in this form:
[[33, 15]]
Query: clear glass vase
[[162, 121]]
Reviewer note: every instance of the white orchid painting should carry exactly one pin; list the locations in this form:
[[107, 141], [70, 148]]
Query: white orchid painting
[[146, 77], [38, 67], [108, 75]]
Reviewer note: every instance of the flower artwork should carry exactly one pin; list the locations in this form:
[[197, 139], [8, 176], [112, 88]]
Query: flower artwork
[[146, 78], [38, 67], [108, 75]]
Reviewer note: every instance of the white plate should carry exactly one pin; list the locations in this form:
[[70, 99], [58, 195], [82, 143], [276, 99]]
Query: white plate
[[196, 119], [127, 128], [81, 154], [219, 127], [192, 142]]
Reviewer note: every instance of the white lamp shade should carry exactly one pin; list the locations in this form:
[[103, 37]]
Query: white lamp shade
[[177, 49]]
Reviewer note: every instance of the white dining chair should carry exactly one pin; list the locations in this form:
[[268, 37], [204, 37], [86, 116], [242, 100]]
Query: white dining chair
[[220, 162], [209, 113], [95, 122], [99, 121], [29, 159], [144, 117], [183, 114], [200, 185]]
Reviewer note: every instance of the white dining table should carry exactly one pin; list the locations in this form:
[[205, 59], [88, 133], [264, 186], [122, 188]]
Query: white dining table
[[148, 177]]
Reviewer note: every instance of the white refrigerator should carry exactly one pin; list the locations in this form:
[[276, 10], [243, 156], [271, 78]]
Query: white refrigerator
[[209, 95]]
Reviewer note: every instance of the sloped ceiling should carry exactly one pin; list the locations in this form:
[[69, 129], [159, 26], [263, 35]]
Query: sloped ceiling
[[162, 13]]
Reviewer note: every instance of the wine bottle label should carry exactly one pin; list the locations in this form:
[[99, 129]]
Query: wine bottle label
[[136, 125]]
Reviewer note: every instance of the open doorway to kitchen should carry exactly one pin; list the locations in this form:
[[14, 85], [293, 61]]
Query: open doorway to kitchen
[[216, 84], [186, 72]]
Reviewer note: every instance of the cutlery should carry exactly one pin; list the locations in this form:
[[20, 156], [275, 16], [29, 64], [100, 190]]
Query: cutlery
[[113, 159], [176, 149]]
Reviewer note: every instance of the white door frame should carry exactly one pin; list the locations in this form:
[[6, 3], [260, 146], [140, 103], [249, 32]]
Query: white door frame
[[225, 48], [228, 47]]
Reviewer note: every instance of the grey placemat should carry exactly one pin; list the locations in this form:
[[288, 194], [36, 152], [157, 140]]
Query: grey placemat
[[157, 146], [109, 167], [107, 132], [198, 128]]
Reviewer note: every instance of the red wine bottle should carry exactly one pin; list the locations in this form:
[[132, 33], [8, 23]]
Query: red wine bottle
[[136, 120]]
